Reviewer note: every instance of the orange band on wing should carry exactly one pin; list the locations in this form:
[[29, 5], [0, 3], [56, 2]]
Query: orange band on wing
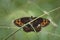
[[18, 22], [44, 23]]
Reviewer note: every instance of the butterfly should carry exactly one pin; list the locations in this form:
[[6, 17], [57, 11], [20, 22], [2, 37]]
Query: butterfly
[[37, 24]]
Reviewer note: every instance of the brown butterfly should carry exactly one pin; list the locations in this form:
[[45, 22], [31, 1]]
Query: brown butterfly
[[37, 24]]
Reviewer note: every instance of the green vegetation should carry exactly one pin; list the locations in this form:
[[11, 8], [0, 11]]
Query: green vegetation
[[13, 9]]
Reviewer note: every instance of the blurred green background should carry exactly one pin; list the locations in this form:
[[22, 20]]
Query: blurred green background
[[13, 9]]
